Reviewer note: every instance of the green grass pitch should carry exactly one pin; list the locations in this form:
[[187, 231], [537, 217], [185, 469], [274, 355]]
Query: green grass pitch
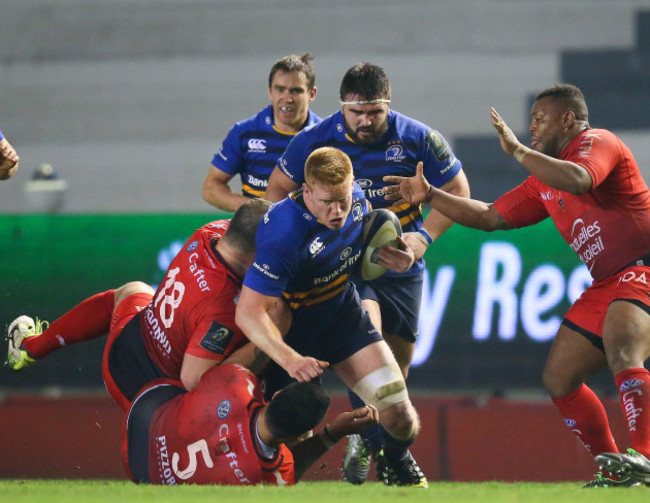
[[47, 491]]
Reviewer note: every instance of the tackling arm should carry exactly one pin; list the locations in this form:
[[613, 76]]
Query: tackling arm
[[462, 210], [193, 368], [436, 223], [307, 452]]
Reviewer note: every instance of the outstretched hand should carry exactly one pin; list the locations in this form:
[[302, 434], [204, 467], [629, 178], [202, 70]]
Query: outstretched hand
[[509, 141], [354, 421], [412, 190]]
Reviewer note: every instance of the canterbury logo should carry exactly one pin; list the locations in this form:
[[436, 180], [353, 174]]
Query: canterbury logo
[[257, 145]]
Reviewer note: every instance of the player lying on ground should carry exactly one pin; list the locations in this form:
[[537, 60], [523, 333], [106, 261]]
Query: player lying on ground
[[223, 433], [179, 331]]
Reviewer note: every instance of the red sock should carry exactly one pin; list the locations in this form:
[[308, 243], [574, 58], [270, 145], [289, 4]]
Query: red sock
[[634, 390], [88, 320], [584, 413]]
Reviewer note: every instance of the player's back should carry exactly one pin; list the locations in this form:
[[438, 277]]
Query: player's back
[[205, 435], [197, 290]]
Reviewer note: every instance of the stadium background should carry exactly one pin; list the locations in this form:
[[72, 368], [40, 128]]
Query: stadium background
[[129, 99]]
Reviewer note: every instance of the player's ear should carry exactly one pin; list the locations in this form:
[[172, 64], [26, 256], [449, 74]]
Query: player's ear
[[568, 119], [312, 94]]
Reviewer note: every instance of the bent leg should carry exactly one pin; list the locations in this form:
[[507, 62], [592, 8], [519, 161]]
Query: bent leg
[[130, 299], [88, 320], [626, 336], [572, 360], [373, 374]]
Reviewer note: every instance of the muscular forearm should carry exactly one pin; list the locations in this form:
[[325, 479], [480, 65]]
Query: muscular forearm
[[224, 199], [260, 330], [307, 452], [466, 212]]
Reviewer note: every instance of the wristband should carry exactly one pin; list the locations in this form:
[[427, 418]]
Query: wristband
[[327, 438], [426, 235], [519, 152]]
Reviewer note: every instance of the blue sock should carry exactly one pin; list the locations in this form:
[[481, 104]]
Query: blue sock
[[373, 436], [394, 449]]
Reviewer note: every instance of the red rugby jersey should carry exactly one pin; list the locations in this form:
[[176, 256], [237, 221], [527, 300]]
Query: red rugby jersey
[[208, 436], [608, 227], [193, 309]]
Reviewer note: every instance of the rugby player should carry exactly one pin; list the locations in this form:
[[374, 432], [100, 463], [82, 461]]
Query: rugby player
[[223, 433], [179, 331], [307, 247], [380, 142], [588, 182], [252, 146]]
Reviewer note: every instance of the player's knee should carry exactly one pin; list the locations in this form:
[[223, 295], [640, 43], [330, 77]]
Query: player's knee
[[401, 421], [131, 288], [383, 387], [558, 384]]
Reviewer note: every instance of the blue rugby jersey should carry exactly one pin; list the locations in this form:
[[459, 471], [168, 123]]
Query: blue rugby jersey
[[252, 148], [301, 259], [405, 143], [3, 136]]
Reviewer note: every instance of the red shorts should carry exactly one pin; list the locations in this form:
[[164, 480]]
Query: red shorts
[[123, 313], [588, 312]]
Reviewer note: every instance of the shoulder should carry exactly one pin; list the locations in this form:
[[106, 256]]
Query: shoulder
[[407, 125], [263, 118], [312, 119], [325, 127], [285, 219]]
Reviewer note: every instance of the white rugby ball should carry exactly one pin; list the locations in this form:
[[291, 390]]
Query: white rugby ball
[[380, 228]]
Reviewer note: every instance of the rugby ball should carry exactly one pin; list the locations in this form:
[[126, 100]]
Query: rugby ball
[[380, 227]]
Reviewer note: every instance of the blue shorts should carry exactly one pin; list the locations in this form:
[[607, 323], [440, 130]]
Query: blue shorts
[[399, 299], [332, 335], [325, 334]]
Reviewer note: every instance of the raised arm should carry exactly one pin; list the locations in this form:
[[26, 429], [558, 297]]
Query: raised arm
[[562, 175]]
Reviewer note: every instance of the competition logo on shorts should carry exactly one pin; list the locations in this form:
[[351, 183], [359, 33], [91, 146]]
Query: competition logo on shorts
[[217, 338], [395, 153], [631, 384], [223, 409], [192, 246]]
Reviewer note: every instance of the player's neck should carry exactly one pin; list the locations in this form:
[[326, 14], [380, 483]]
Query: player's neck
[[237, 261]]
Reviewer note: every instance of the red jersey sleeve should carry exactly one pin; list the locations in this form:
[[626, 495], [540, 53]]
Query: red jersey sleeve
[[523, 205], [598, 151]]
